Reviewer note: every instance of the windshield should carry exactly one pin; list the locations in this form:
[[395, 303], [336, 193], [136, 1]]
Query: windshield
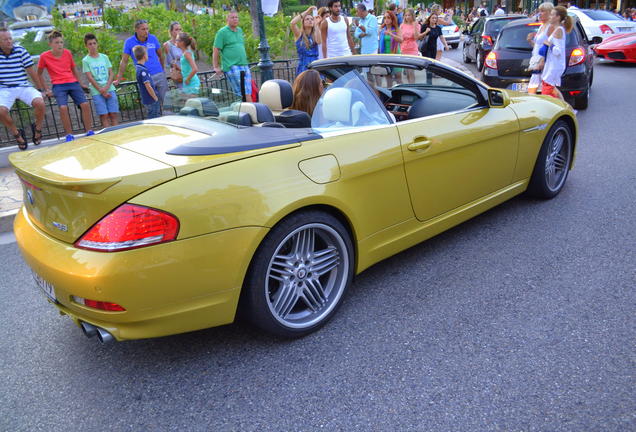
[[601, 15], [493, 27], [211, 104], [516, 38], [348, 102]]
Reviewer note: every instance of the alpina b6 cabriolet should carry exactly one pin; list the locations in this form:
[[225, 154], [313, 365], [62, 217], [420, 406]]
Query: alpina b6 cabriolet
[[174, 224]]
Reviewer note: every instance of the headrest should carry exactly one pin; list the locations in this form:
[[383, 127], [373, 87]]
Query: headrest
[[336, 104], [204, 106], [294, 119], [277, 94], [258, 112], [238, 118], [189, 111]]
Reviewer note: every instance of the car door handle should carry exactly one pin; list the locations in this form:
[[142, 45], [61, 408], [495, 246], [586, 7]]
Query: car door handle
[[420, 143]]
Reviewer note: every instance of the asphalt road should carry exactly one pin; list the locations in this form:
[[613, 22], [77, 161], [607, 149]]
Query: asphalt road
[[519, 320]]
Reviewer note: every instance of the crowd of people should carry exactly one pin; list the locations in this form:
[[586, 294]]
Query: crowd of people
[[318, 33]]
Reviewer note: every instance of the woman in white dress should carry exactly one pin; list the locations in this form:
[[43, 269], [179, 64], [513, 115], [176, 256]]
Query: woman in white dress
[[554, 67], [537, 39]]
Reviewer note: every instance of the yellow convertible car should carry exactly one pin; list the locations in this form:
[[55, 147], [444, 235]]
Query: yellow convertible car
[[177, 223]]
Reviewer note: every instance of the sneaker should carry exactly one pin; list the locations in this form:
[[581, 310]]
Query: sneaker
[[90, 132], [70, 138]]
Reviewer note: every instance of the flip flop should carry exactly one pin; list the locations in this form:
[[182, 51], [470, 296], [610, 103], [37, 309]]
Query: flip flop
[[20, 135], [37, 135]]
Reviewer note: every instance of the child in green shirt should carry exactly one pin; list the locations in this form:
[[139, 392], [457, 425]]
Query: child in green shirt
[[99, 73]]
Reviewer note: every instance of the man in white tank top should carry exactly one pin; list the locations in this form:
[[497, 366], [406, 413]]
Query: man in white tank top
[[336, 40]]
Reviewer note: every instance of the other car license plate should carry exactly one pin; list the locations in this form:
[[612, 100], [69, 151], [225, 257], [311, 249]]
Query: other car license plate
[[520, 87], [45, 286], [624, 29]]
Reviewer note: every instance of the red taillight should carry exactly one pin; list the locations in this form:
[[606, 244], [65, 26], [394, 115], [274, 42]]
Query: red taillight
[[101, 305], [575, 92], [487, 39], [130, 226], [577, 56], [491, 60], [605, 29], [456, 29]]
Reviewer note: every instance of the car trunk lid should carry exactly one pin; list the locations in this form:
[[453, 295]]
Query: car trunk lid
[[69, 187]]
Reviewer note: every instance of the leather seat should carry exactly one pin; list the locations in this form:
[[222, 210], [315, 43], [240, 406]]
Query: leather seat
[[201, 107], [278, 95]]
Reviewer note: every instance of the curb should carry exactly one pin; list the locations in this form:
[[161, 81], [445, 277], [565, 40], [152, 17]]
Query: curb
[[6, 151], [6, 220]]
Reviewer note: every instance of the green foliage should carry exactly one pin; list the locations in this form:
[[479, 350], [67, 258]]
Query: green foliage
[[204, 27], [33, 47], [458, 21]]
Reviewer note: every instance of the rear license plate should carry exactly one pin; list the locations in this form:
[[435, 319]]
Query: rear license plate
[[624, 29], [45, 286], [520, 87]]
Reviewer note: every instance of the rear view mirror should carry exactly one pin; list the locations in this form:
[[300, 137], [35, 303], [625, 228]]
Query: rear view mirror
[[497, 98], [596, 40]]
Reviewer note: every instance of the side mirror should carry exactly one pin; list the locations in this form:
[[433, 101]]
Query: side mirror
[[498, 98], [596, 40]]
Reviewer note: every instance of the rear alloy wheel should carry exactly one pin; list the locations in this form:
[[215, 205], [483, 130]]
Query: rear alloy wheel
[[553, 163], [299, 274]]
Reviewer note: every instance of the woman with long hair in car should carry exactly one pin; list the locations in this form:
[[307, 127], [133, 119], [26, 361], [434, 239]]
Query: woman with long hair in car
[[536, 40], [307, 37], [307, 89], [554, 49]]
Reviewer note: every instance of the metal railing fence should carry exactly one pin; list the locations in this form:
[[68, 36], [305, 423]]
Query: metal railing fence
[[130, 107]]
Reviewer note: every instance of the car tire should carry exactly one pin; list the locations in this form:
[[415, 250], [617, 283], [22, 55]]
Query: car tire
[[479, 62], [299, 275], [464, 54], [454, 46], [553, 162]]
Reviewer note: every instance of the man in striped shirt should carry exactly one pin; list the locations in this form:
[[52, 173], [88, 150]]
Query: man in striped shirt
[[15, 63]]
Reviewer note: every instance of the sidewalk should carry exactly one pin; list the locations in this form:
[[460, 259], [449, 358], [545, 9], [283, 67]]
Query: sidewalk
[[10, 198]]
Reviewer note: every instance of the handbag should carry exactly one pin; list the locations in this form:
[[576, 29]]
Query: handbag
[[421, 44]]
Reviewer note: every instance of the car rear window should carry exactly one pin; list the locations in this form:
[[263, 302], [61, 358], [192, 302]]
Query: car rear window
[[602, 15], [493, 27], [516, 38]]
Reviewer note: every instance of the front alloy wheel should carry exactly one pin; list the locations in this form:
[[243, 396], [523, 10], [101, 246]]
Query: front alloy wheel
[[553, 163], [299, 274]]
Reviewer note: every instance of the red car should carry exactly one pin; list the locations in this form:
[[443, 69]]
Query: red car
[[621, 48]]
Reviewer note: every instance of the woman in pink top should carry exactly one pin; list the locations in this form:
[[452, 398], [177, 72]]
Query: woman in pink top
[[410, 30]]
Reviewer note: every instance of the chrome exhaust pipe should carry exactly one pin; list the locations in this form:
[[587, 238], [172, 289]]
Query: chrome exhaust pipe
[[103, 336], [89, 330]]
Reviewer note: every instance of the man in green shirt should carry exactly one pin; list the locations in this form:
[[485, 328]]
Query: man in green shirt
[[230, 44]]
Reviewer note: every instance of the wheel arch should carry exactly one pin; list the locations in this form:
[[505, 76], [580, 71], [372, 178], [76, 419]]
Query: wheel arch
[[329, 208], [573, 129]]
